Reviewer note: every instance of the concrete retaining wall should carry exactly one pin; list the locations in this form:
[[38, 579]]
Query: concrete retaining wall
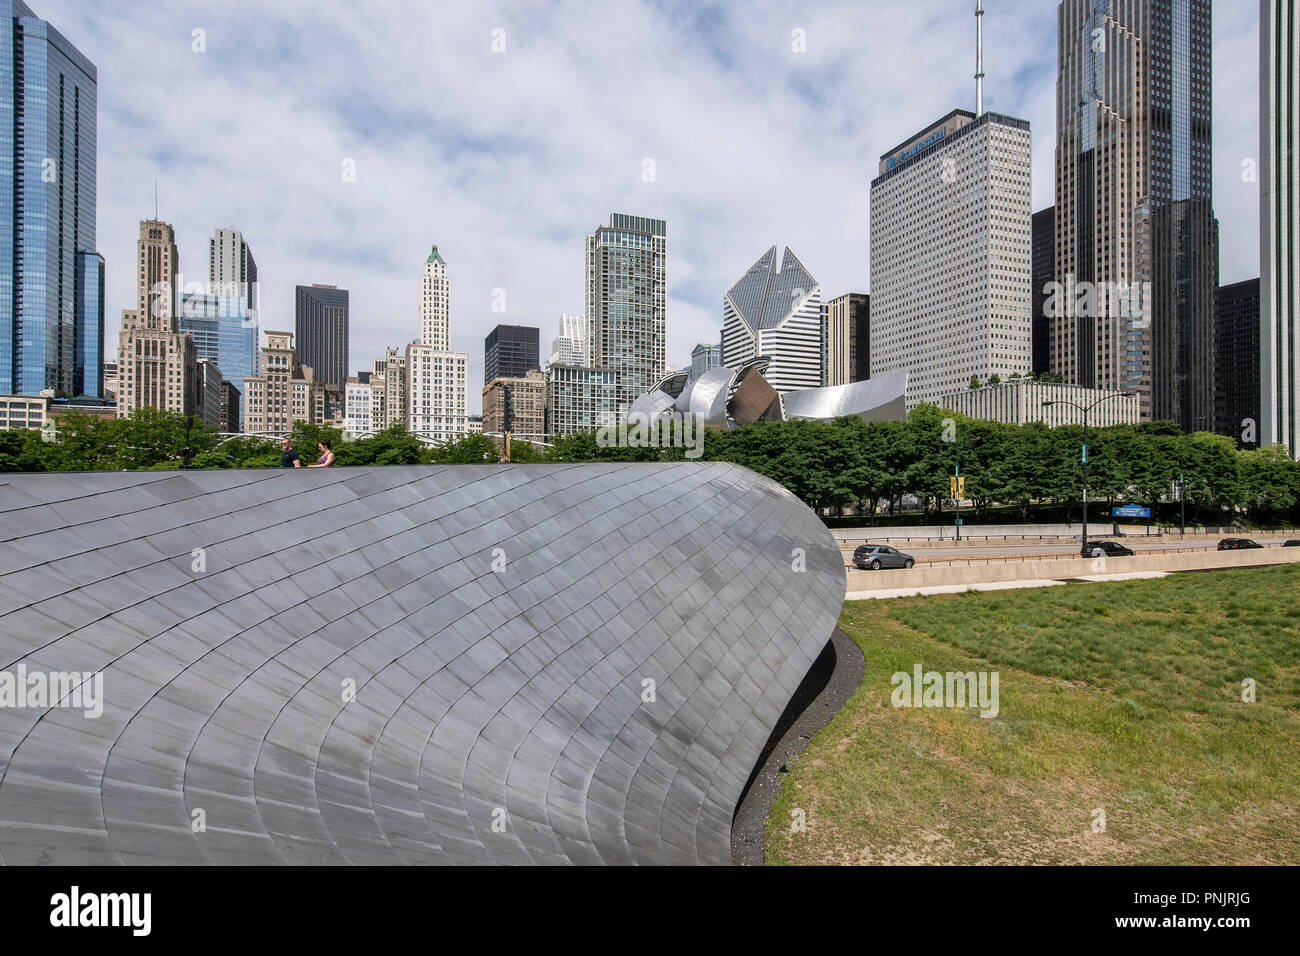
[[920, 576], [1029, 532]]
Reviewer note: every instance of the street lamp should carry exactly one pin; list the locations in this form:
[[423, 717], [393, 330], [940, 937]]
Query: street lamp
[[1086, 454]]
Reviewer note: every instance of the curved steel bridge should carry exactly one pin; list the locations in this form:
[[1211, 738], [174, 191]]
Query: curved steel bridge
[[411, 664]]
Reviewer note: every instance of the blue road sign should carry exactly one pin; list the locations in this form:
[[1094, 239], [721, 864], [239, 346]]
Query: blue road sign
[[1131, 511]]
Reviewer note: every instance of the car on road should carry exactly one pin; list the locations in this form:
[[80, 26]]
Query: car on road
[[874, 557], [1108, 549], [1293, 543], [1238, 544]]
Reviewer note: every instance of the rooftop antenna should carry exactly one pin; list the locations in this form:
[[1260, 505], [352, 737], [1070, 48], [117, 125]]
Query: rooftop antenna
[[155, 200], [979, 58]]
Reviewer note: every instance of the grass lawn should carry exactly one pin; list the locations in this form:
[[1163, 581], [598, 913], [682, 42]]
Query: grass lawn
[[1122, 697]]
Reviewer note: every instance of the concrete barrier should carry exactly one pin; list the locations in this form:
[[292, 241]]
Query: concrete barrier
[[1028, 533], [922, 577]]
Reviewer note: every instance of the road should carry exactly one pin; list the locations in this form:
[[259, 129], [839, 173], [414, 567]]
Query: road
[[997, 550]]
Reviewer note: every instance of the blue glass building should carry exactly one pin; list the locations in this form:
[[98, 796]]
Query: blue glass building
[[226, 332], [51, 279]]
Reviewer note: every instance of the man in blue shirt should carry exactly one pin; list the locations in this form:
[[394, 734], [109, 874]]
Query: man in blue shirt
[[288, 457]]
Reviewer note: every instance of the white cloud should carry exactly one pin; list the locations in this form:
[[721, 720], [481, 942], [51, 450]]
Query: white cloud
[[507, 160]]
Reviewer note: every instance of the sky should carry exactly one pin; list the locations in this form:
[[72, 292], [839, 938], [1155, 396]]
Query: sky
[[506, 132]]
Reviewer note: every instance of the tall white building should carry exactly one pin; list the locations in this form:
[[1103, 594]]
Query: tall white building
[[775, 311], [951, 255], [1279, 212], [435, 303], [359, 405], [435, 394], [570, 346], [232, 271], [435, 376]]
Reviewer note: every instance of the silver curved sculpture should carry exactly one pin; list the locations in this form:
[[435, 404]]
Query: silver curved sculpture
[[877, 399], [713, 399], [410, 664]]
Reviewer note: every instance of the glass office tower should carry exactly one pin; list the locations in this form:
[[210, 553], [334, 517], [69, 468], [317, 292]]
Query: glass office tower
[[225, 332], [51, 307], [321, 332], [1134, 217], [626, 303], [510, 351]]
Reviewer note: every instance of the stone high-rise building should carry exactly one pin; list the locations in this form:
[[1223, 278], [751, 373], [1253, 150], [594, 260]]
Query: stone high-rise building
[[157, 362], [285, 392], [848, 338], [516, 405], [435, 303], [435, 377], [1136, 237]]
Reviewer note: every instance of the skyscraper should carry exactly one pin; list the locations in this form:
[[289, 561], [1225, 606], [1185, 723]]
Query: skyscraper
[[225, 332], [1237, 364], [951, 263], [1044, 268], [434, 376], [569, 347], [848, 338], [705, 356], [157, 362], [51, 278], [283, 391], [510, 351], [435, 303], [1135, 229], [626, 303], [774, 310], [321, 332], [1279, 211], [232, 272]]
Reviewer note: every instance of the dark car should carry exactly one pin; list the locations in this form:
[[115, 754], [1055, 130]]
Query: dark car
[[1238, 544], [1108, 549], [1293, 543], [873, 557]]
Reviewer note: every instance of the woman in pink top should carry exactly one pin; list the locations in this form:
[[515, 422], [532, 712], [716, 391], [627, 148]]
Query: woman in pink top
[[326, 455]]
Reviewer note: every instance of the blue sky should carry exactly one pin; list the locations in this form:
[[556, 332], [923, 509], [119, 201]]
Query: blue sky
[[507, 160]]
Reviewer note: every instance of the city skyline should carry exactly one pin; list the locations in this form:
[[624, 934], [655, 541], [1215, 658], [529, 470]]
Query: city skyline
[[515, 223]]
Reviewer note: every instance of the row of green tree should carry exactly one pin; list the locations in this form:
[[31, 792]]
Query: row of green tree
[[845, 464]]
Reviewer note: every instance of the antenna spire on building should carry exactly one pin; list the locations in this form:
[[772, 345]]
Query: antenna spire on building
[[979, 57]]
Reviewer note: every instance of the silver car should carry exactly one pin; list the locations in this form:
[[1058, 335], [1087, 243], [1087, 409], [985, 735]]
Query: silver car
[[873, 557]]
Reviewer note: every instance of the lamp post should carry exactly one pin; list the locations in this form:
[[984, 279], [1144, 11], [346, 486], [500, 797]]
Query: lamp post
[[1182, 500], [1086, 453]]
